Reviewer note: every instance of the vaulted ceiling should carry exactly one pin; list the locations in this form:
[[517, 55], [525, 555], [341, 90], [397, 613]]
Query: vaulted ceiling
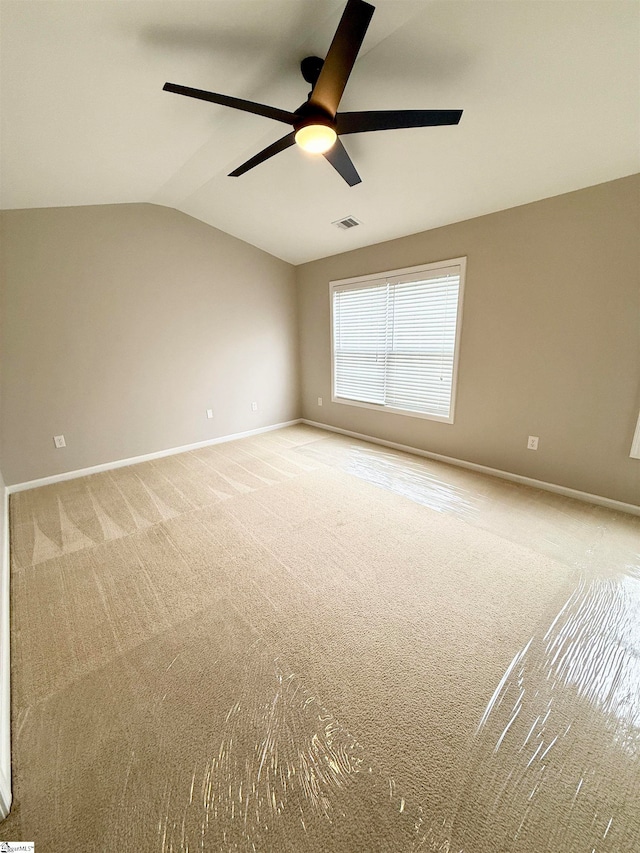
[[550, 93]]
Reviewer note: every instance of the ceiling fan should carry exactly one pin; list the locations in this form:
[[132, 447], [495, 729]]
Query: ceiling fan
[[317, 124]]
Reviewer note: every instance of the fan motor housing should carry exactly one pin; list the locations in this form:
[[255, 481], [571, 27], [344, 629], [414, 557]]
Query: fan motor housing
[[311, 66], [312, 115]]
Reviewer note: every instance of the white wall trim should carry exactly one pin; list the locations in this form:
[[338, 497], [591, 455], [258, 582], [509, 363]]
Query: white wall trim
[[5, 669], [134, 460], [635, 445], [585, 497]]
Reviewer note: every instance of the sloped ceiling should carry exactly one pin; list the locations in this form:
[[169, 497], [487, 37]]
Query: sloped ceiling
[[550, 93]]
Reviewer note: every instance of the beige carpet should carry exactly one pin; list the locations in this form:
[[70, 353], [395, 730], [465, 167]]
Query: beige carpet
[[297, 642]]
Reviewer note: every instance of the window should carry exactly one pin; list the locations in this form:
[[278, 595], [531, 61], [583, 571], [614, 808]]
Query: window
[[396, 338]]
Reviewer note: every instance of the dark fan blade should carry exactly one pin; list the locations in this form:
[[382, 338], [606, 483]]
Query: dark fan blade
[[236, 103], [270, 151], [342, 56], [394, 119], [341, 162]]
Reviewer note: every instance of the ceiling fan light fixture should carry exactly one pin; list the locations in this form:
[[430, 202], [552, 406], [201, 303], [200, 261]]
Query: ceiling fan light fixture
[[316, 138], [317, 126]]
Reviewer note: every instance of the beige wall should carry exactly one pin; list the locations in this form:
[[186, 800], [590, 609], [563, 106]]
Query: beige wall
[[122, 324], [550, 339]]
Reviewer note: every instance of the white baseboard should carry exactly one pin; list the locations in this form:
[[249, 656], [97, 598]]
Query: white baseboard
[[134, 460], [5, 668], [633, 509]]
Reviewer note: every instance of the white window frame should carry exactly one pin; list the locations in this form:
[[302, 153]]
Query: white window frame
[[441, 266]]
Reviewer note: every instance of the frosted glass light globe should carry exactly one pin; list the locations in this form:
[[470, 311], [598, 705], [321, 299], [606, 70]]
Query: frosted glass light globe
[[316, 138]]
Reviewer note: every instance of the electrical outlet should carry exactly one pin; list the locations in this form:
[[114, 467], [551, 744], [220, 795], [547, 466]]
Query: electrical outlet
[[319, 401], [209, 413], [254, 407], [59, 441], [532, 443]]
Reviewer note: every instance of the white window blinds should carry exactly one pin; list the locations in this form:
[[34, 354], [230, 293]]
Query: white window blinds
[[395, 340]]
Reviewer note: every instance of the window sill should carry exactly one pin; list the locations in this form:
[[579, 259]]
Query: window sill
[[393, 411]]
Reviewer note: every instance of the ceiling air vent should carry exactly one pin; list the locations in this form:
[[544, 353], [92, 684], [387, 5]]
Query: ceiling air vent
[[346, 222]]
